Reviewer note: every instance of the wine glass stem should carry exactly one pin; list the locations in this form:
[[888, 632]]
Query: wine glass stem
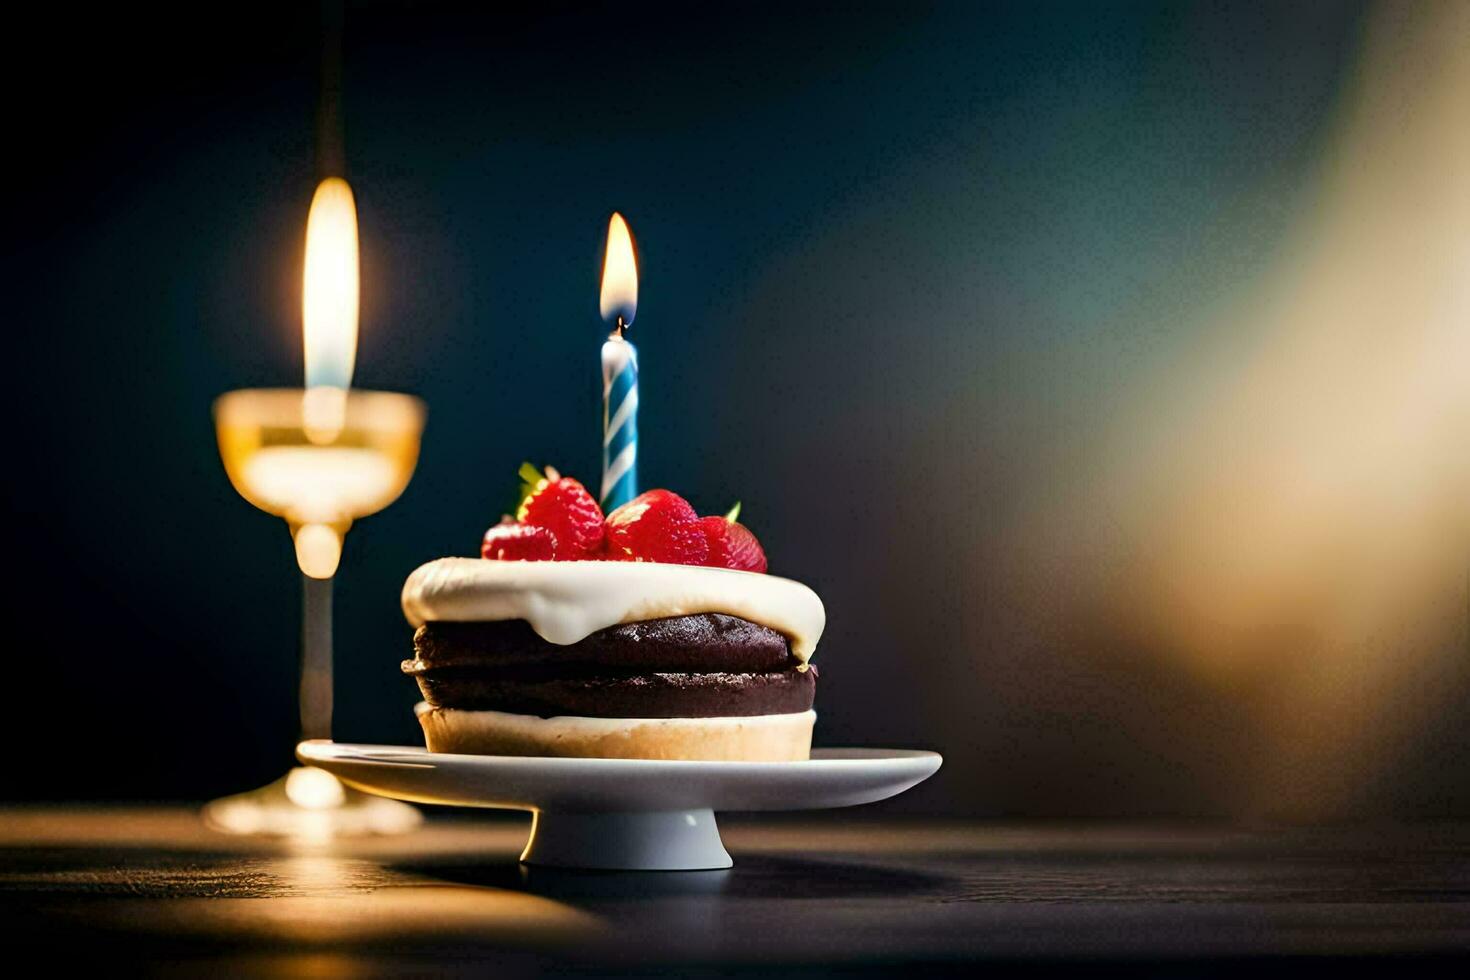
[[316, 657]]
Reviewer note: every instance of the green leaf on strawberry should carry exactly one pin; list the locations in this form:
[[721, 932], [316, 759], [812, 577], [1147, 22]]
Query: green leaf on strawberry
[[531, 478]]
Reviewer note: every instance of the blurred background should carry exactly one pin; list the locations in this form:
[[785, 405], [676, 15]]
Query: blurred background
[[1107, 371]]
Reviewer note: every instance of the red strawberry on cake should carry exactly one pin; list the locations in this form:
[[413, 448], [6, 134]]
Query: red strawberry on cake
[[657, 526], [510, 541], [731, 545], [563, 506]]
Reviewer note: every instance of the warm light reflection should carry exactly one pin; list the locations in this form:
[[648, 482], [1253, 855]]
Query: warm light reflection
[[318, 551], [329, 299], [1288, 515], [619, 274], [323, 414], [314, 789]]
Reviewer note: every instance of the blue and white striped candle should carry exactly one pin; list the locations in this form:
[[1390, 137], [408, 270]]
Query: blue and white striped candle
[[619, 369], [619, 422]]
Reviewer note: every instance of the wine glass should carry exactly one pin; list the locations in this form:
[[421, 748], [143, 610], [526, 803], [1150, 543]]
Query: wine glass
[[320, 458]]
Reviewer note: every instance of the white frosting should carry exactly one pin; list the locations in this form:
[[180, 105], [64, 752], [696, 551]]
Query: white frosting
[[566, 601]]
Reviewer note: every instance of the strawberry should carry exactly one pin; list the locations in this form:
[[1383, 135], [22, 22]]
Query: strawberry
[[731, 545], [657, 526], [565, 508], [509, 541]]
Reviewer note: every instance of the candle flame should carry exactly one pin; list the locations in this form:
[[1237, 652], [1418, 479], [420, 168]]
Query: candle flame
[[329, 304], [329, 296], [619, 274]]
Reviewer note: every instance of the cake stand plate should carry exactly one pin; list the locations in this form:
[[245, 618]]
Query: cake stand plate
[[623, 814]]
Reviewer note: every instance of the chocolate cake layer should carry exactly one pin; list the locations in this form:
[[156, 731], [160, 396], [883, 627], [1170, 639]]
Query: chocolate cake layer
[[650, 695], [679, 644]]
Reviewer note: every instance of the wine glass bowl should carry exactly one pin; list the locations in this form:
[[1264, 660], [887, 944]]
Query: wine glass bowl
[[319, 457]]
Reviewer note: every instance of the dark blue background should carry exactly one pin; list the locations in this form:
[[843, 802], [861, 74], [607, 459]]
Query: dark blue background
[[896, 262]]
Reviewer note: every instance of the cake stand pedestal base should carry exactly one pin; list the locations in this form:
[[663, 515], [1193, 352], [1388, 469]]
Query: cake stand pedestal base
[[668, 840], [310, 804]]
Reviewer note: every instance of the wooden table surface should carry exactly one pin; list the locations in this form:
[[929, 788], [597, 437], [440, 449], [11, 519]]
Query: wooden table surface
[[152, 890]]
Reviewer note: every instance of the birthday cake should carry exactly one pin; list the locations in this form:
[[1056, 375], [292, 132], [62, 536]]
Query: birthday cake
[[652, 633]]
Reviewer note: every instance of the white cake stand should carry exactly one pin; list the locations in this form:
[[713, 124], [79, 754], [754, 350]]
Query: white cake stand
[[623, 814]]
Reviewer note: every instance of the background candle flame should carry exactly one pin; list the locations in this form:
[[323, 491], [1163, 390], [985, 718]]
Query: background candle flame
[[330, 293], [619, 274]]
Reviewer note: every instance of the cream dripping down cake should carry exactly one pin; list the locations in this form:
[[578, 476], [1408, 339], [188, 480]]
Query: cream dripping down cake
[[650, 634]]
